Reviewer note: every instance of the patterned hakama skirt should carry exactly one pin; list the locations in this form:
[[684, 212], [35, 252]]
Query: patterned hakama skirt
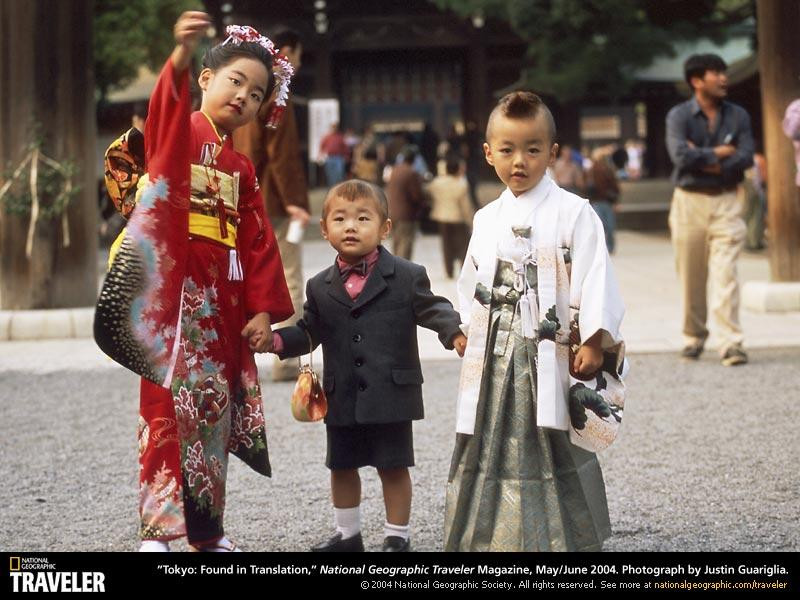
[[514, 486]]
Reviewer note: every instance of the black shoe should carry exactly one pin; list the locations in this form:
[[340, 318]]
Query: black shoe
[[337, 544], [394, 543], [692, 351], [734, 356]]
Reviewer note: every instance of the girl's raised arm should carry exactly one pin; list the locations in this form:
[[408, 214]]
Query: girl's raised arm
[[190, 27]]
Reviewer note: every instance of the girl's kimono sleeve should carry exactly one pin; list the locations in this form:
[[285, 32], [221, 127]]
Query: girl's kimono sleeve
[[265, 288], [139, 306], [593, 284]]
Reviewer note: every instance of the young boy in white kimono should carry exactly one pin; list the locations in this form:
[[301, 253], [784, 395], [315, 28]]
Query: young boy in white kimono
[[541, 386]]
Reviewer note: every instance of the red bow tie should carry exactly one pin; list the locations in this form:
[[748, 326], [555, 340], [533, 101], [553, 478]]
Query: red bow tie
[[360, 268]]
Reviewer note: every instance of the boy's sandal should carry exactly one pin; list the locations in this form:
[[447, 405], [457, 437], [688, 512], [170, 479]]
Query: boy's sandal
[[223, 544]]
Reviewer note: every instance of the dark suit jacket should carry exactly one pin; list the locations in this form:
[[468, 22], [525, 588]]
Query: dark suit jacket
[[372, 372]]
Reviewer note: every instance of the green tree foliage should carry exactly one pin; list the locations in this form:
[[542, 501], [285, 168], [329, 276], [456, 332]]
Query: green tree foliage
[[130, 34], [579, 48]]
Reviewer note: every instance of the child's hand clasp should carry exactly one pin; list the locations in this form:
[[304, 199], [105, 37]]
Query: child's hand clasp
[[258, 332]]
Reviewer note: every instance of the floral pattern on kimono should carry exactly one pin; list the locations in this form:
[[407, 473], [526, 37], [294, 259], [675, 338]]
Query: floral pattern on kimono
[[173, 307]]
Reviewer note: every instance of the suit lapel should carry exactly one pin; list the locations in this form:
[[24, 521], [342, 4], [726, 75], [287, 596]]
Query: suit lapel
[[376, 281], [336, 287]]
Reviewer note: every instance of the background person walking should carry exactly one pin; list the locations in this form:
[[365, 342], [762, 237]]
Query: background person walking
[[452, 209], [710, 143]]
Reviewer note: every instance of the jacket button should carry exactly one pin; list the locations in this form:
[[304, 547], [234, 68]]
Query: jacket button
[[359, 362], [362, 387], [357, 337], [356, 314]]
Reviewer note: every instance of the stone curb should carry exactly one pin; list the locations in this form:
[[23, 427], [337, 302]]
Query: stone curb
[[60, 323], [766, 296], [77, 323]]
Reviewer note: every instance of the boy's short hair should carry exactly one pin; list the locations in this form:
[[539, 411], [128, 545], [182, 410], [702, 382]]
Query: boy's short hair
[[522, 105], [352, 189], [697, 65]]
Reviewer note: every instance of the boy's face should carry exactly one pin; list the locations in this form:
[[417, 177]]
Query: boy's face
[[520, 150], [233, 94], [354, 228]]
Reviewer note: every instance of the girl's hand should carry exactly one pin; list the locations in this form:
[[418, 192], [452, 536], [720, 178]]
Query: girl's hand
[[258, 332], [190, 27]]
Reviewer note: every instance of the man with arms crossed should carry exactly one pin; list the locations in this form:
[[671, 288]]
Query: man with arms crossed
[[711, 145]]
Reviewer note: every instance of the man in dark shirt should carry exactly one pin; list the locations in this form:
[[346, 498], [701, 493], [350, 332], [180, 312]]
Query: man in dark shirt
[[711, 145]]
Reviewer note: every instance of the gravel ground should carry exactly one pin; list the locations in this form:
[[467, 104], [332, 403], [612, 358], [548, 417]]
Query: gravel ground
[[702, 464]]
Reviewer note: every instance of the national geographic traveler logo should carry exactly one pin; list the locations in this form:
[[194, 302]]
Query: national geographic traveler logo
[[37, 574]]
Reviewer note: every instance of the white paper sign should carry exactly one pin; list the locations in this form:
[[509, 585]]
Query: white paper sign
[[322, 113]]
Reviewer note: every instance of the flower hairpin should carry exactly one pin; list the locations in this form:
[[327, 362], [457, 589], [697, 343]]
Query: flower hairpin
[[282, 68]]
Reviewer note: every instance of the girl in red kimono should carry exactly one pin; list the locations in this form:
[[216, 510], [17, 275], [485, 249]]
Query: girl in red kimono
[[194, 286]]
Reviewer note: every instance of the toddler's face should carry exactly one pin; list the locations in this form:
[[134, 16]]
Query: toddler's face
[[233, 94], [354, 228], [520, 150]]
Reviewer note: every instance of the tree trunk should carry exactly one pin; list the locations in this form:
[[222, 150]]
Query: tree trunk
[[46, 79], [779, 64]]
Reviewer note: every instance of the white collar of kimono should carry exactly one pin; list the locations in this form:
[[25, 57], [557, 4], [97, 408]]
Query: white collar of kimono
[[517, 210], [507, 211]]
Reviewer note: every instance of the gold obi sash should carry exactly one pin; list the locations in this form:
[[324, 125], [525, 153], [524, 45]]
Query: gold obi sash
[[212, 216]]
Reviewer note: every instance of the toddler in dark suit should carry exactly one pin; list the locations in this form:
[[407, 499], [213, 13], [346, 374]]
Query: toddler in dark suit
[[364, 310]]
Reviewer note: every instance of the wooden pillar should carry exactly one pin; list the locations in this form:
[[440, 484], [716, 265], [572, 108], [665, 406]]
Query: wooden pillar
[[476, 105], [46, 79], [779, 64], [323, 69]]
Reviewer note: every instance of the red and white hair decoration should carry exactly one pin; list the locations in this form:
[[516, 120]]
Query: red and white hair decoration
[[281, 67]]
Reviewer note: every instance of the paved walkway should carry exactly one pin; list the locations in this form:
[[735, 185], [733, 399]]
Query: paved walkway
[[643, 263]]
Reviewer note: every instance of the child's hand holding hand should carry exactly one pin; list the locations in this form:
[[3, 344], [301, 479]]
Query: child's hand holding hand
[[460, 344], [589, 356], [258, 332]]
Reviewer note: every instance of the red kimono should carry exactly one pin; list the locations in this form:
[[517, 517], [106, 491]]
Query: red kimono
[[198, 260]]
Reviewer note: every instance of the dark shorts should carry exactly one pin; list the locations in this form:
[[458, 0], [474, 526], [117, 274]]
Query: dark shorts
[[384, 446]]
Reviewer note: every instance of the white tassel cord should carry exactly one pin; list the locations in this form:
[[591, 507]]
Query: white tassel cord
[[529, 311], [235, 272]]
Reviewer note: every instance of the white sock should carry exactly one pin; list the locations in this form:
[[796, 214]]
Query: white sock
[[401, 531], [154, 546], [347, 521]]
